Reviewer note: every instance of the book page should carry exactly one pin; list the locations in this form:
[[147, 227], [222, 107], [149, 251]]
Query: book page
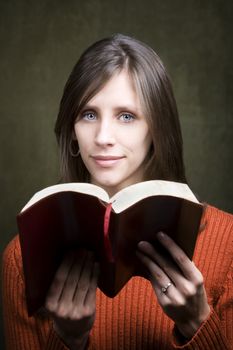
[[87, 188], [134, 193]]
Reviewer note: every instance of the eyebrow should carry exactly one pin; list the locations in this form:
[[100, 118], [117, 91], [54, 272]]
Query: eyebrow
[[120, 108]]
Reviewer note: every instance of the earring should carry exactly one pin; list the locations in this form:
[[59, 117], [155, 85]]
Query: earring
[[73, 153]]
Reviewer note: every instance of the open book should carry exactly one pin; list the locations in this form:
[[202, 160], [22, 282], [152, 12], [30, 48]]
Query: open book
[[73, 215]]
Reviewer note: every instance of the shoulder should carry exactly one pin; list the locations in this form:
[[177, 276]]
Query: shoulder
[[218, 226], [217, 232], [12, 258], [215, 215], [214, 248]]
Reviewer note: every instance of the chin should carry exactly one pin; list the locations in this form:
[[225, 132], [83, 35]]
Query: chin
[[108, 184]]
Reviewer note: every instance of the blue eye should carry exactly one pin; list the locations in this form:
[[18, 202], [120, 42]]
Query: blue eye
[[89, 116], [126, 117]]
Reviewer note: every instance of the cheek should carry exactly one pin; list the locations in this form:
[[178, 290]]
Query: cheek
[[145, 147], [144, 141], [81, 136], [139, 146], [148, 142]]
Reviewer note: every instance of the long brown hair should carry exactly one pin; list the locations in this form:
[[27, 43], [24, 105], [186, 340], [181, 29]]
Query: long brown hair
[[95, 67]]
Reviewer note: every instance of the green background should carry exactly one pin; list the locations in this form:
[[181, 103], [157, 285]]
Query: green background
[[40, 43]]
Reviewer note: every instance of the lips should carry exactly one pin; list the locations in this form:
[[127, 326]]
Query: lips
[[99, 157], [107, 161]]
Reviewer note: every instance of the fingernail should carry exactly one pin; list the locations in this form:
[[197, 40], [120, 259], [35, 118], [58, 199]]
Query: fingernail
[[142, 244], [161, 235]]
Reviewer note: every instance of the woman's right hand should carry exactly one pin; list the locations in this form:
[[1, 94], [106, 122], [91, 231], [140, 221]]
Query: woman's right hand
[[71, 298]]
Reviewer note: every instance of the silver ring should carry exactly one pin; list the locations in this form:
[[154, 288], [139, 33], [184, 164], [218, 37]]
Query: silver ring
[[165, 288]]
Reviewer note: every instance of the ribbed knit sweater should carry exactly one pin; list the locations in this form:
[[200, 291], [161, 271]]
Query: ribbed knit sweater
[[133, 319]]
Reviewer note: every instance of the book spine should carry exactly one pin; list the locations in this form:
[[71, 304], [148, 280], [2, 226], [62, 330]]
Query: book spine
[[107, 243]]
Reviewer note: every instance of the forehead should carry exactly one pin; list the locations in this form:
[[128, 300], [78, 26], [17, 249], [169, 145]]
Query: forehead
[[118, 89]]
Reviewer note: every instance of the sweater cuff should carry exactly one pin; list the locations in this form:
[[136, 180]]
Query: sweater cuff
[[55, 342], [209, 336]]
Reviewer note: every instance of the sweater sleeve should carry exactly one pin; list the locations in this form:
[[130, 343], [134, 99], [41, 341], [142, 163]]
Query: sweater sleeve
[[23, 332], [217, 331]]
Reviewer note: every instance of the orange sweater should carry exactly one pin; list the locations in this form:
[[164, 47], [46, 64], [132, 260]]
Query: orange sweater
[[133, 319]]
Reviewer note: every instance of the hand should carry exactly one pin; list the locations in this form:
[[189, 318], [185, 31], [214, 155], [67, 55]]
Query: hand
[[184, 300], [71, 298]]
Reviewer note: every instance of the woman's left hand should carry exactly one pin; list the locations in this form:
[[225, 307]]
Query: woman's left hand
[[177, 283]]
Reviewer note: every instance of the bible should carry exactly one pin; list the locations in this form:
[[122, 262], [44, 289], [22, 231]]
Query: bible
[[81, 215]]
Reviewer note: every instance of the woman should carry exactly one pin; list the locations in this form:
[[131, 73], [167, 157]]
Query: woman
[[118, 125]]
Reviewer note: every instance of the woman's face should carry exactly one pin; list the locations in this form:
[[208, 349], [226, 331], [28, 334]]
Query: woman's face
[[113, 135]]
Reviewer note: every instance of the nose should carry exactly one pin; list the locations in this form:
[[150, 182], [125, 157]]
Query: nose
[[105, 133]]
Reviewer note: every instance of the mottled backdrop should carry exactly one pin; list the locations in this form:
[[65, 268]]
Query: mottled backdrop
[[40, 42]]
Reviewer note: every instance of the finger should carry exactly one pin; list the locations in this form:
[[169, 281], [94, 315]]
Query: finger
[[73, 277], [185, 286], [91, 294], [188, 288], [55, 291], [165, 263], [158, 276], [188, 268], [171, 294], [156, 273], [160, 280], [84, 280]]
